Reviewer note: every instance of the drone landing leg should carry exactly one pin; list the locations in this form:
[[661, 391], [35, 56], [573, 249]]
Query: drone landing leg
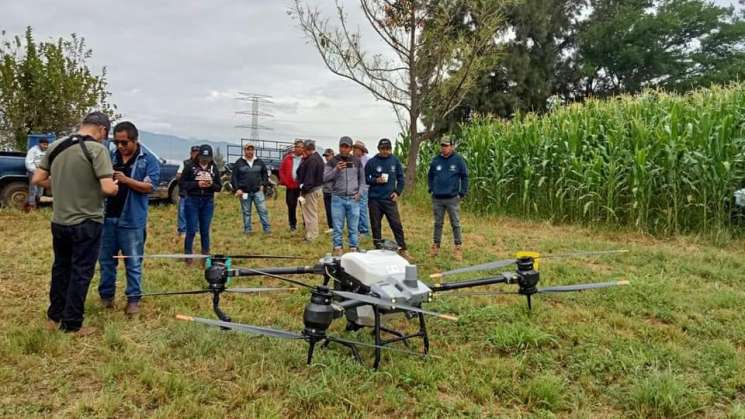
[[352, 347], [423, 332], [396, 333], [378, 340], [530, 307], [216, 308], [310, 350]]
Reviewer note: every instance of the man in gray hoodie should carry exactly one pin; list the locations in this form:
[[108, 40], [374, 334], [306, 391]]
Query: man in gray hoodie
[[346, 175]]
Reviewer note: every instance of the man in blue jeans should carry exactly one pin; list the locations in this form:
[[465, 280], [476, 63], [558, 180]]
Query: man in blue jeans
[[346, 175], [249, 176], [125, 216]]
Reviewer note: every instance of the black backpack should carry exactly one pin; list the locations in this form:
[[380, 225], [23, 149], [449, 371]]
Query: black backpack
[[69, 142]]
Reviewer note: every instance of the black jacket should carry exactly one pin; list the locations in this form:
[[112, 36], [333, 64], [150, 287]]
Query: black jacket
[[310, 173], [189, 184], [247, 178]]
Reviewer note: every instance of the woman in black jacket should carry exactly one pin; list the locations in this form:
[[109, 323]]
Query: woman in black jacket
[[199, 181]]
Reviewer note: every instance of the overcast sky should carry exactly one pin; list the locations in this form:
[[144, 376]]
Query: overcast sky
[[175, 66]]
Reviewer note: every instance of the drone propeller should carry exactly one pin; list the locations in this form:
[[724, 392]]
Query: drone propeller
[[283, 334], [582, 287], [549, 290], [185, 256], [359, 297], [506, 262], [207, 291]]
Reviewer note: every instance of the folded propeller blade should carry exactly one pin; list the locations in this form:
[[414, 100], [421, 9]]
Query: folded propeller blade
[[582, 287], [476, 268], [150, 294], [280, 277], [245, 328], [506, 262], [255, 290], [185, 256], [389, 304]]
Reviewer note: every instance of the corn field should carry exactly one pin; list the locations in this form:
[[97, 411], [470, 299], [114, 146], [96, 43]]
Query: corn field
[[659, 162]]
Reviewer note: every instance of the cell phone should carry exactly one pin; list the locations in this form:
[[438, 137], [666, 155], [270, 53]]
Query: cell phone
[[350, 164]]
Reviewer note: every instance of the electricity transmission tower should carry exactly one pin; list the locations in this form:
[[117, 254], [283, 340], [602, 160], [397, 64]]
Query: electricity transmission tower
[[256, 100]]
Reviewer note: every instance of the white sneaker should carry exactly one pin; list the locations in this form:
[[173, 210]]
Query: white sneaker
[[329, 231]]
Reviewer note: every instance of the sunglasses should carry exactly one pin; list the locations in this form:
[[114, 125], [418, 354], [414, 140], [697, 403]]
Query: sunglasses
[[121, 142]]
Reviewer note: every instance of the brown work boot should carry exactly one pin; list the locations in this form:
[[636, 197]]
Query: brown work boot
[[52, 325], [406, 255], [84, 331], [133, 308], [458, 252], [107, 303], [338, 251], [434, 250]]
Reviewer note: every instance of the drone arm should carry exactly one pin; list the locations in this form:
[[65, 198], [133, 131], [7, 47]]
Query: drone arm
[[449, 286], [297, 270]]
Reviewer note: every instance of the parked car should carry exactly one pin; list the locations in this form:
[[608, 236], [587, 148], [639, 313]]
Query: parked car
[[14, 181]]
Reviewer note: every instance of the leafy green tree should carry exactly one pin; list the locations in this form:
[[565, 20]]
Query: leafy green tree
[[627, 45], [430, 61], [46, 86]]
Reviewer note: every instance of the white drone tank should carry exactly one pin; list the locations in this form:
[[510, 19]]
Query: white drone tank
[[374, 266], [385, 273]]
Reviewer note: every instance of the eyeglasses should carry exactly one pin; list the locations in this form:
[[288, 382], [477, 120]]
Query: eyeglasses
[[121, 142]]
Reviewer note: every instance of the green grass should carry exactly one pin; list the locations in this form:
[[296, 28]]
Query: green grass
[[672, 344]]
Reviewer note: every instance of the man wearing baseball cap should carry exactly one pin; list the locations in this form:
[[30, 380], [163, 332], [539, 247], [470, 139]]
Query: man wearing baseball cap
[[447, 181], [78, 168], [181, 229], [346, 174], [385, 177], [248, 178]]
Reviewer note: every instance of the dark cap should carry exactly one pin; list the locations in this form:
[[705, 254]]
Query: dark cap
[[44, 140], [205, 151], [384, 142], [446, 140], [194, 148], [328, 152], [98, 118], [345, 141]]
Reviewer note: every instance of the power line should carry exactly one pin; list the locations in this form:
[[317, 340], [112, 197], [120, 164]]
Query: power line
[[255, 113]]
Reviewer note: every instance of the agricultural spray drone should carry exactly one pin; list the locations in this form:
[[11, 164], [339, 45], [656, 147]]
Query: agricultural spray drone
[[365, 287]]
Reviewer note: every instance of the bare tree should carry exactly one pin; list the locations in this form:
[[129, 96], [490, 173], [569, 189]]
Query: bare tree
[[435, 50]]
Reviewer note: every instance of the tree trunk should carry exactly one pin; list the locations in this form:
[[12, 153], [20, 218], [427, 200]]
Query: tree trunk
[[411, 159]]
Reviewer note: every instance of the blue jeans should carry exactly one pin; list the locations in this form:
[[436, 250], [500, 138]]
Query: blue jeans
[[345, 208], [260, 201], [34, 192], [181, 215], [198, 211], [130, 241], [364, 226]]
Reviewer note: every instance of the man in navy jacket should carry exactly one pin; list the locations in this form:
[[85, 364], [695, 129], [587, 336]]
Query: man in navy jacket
[[447, 181], [385, 176]]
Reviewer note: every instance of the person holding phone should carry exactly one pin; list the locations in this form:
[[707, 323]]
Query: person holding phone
[[346, 174], [200, 180], [136, 171]]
